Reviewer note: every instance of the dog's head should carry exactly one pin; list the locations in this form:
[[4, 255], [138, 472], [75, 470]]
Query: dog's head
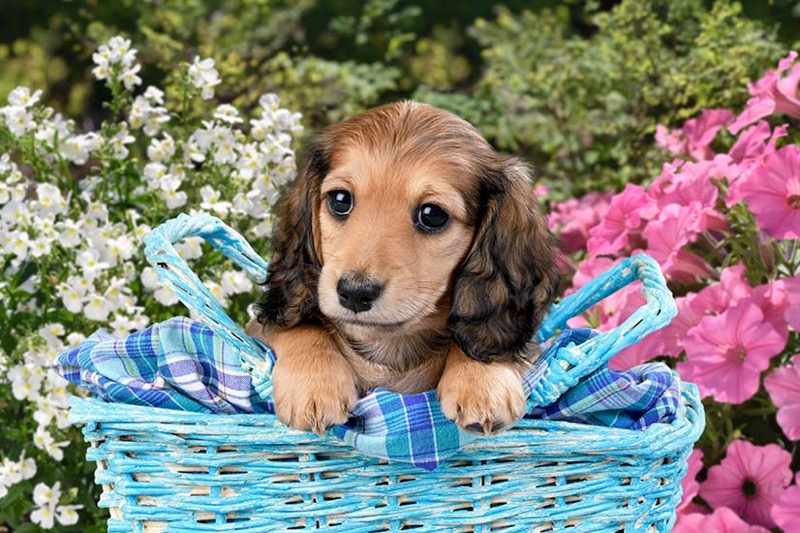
[[404, 218]]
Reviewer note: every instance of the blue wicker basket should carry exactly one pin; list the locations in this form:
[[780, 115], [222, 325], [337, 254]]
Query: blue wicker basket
[[164, 470]]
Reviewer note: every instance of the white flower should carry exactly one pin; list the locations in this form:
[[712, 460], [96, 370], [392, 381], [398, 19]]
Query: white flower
[[21, 96], [67, 514], [121, 326], [263, 228], [27, 467], [165, 296], [269, 102], [204, 76], [190, 248], [161, 150], [121, 51], [118, 143], [217, 292], [89, 261], [50, 201], [46, 496], [25, 384], [119, 248], [44, 516], [43, 440], [74, 339], [211, 201], [40, 247], [17, 243], [228, 114], [150, 279], [154, 95], [97, 307], [235, 282], [174, 199], [70, 235], [73, 302], [10, 473], [51, 333], [18, 119], [103, 70], [97, 211], [78, 147], [129, 77]]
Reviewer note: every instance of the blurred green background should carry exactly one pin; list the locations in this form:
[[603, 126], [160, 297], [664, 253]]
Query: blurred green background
[[577, 87]]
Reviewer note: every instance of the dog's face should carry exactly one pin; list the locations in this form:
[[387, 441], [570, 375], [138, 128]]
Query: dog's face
[[393, 228], [404, 219]]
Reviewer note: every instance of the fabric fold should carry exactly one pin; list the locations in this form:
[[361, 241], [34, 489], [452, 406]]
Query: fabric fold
[[184, 365]]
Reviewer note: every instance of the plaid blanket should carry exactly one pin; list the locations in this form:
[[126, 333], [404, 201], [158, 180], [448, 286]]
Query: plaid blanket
[[182, 364]]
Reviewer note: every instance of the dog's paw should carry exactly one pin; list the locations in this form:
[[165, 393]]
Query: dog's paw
[[314, 397], [482, 398]]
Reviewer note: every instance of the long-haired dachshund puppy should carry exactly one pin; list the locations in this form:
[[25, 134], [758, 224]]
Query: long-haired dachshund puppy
[[408, 255]]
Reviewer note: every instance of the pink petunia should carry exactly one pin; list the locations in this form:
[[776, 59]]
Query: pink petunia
[[772, 192], [749, 480], [725, 354], [786, 511], [792, 311], [783, 386], [747, 153], [773, 93], [621, 223], [696, 134], [572, 219], [694, 183], [676, 227], [722, 520], [689, 481]]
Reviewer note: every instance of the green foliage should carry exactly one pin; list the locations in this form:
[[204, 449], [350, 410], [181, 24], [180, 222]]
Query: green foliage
[[585, 110]]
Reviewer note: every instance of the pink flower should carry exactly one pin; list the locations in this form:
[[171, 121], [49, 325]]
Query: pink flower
[[772, 94], [725, 354], [786, 511], [689, 481], [696, 134], [747, 154], [792, 312], [621, 223], [722, 520], [571, 220], [772, 191], [783, 385], [693, 183], [749, 480], [676, 227]]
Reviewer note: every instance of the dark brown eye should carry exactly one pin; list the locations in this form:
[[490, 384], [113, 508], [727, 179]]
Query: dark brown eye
[[431, 218], [340, 203]]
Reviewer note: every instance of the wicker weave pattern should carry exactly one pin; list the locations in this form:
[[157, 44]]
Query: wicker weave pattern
[[188, 472]]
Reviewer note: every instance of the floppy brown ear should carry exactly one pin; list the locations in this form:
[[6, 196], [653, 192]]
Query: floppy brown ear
[[509, 277], [293, 273]]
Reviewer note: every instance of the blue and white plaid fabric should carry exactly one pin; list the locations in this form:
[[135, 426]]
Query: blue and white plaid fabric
[[184, 365]]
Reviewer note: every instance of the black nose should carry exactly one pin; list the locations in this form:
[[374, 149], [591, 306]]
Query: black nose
[[358, 294]]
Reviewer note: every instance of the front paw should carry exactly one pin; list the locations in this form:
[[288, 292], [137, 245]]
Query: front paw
[[482, 398], [313, 397]]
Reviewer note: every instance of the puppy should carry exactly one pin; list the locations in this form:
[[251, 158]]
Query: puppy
[[408, 255]]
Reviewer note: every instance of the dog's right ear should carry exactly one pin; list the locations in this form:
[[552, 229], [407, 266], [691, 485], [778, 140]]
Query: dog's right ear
[[293, 272]]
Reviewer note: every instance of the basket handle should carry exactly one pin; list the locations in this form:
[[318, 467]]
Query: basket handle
[[658, 311], [176, 274], [568, 365]]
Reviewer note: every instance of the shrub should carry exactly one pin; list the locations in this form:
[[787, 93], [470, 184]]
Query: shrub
[[724, 223], [584, 110], [73, 210]]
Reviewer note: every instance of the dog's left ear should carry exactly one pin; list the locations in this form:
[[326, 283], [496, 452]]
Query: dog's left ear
[[509, 277]]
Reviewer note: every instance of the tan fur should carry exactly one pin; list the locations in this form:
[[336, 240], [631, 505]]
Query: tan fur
[[457, 307]]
